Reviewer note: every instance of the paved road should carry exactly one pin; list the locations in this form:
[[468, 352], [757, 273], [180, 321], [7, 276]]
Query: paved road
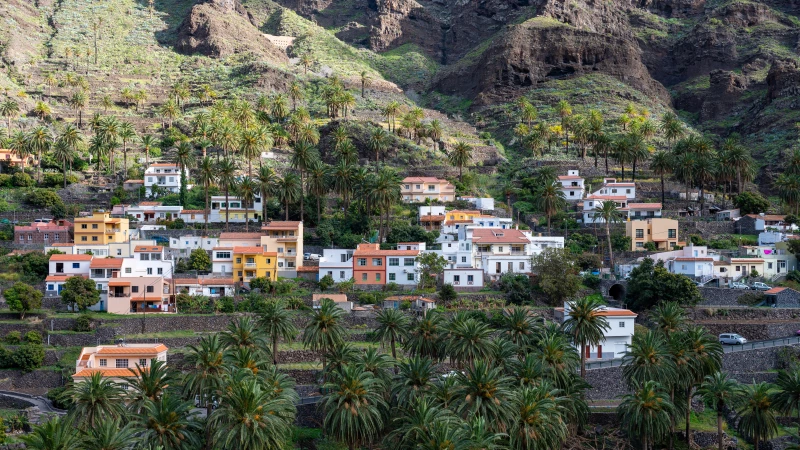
[[756, 345], [44, 405]]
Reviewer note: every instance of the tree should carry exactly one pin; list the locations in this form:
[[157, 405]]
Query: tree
[[95, 399], [719, 392], [550, 200], [556, 274], [648, 359], [447, 293], [243, 333], [354, 406], [277, 322], [608, 212], [78, 103], [267, 184], [126, 134], [206, 175], [324, 329], [651, 283], [167, 422], [661, 164], [646, 413], [431, 265], [79, 293], [469, 341], [66, 147], [40, 141], [58, 433], [392, 327], [751, 203], [306, 61], [289, 190], [23, 298], [757, 414], [460, 156], [539, 418], [424, 336], [206, 379], [42, 110], [379, 142], [318, 183], [148, 143], [147, 384], [226, 179], [586, 325], [326, 283], [247, 189], [109, 434], [787, 399], [9, 109], [365, 81], [484, 392], [199, 260]]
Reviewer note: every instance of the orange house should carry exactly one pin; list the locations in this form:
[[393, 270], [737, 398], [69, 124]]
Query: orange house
[[369, 264]]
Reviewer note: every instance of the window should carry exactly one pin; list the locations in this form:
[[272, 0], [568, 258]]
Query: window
[[223, 255], [622, 324], [640, 245], [377, 277], [122, 364], [362, 261], [470, 278], [627, 191], [394, 261], [738, 268], [463, 259], [124, 386], [408, 261], [127, 270], [94, 226], [150, 289], [103, 362], [521, 266], [418, 186], [392, 277], [149, 270], [683, 266], [410, 277], [456, 278], [613, 191], [83, 226], [142, 362], [56, 236], [431, 188], [94, 238], [341, 274], [238, 260], [135, 289], [51, 287], [344, 257], [46, 237], [639, 234], [363, 277], [144, 256], [160, 271], [377, 261], [500, 248], [119, 251], [671, 233], [769, 265], [76, 265]]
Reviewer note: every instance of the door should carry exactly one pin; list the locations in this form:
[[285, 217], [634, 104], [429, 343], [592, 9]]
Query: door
[[498, 268], [588, 352], [599, 351]]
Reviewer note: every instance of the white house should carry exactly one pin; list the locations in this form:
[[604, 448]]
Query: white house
[[613, 188], [216, 210], [616, 339], [636, 211], [498, 251], [483, 204], [222, 260], [340, 300], [572, 185], [402, 266], [778, 261], [165, 176], [184, 245], [595, 201], [151, 211], [338, 263], [695, 267], [464, 278]]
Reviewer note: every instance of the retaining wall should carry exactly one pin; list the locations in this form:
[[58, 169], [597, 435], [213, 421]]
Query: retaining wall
[[37, 382], [721, 297]]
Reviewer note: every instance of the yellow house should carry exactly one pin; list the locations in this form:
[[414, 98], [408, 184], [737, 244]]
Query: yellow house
[[100, 228], [253, 262], [286, 239], [662, 232]]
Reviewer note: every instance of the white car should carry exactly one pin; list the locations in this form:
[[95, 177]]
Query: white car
[[731, 339], [739, 286], [759, 286]]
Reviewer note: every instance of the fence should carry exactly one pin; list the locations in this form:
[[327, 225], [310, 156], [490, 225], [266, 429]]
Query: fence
[[604, 364], [782, 342]]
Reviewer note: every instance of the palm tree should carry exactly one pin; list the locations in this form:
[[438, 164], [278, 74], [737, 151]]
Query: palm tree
[[169, 111], [469, 341], [318, 183], [168, 422], [40, 140], [109, 434], [206, 379], [247, 189], [385, 192], [295, 93], [788, 187], [278, 108], [424, 336], [148, 143], [206, 175], [550, 200], [415, 377], [608, 212], [365, 80], [671, 127], [390, 111], [306, 61], [267, 184], [378, 143], [64, 156], [303, 157], [519, 326], [586, 325], [704, 172], [9, 109], [646, 413], [42, 110], [738, 157], [251, 143], [243, 333], [289, 190], [354, 406], [669, 317], [78, 103], [757, 414], [392, 326], [55, 434], [661, 164], [787, 399], [93, 399], [126, 134], [324, 329], [648, 358], [147, 384], [226, 179], [719, 392], [485, 392], [277, 321], [539, 420], [253, 416], [460, 156], [564, 111]]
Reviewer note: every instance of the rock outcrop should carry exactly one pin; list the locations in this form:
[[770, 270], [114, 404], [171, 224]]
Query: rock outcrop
[[724, 92], [220, 28], [783, 80]]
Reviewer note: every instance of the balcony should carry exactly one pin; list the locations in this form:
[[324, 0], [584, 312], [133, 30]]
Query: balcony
[[119, 295], [251, 265]]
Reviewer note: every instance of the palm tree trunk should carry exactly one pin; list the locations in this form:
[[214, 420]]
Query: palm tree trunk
[[610, 250], [702, 199], [605, 155], [738, 181], [634, 171], [226, 208], [205, 211], [246, 218], [548, 224], [65, 174], [719, 429], [125, 160], [688, 413], [302, 196], [264, 206], [583, 360], [622, 163], [319, 213], [275, 350], [662, 190], [287, 208]]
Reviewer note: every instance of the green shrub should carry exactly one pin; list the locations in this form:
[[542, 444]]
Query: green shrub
[[33, 337], [21, 179], [390, 287], [750, 298], [83, 323], [225, 305], [366, 298], [447, 293], [591, 281], [326, 283], [405, 305], [56, 395], [13, 337], [28, 357]]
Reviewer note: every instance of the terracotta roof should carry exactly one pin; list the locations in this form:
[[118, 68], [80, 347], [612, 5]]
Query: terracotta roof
[[134, 181], [119, 283], [747, 260], [644, 205], [607, 197], [615, 183], [106, 263], [308, 269], [410, 298], [472, 212], [337, 298], [258, 250], [281, 225], [115, 373], [193, 211], [186, 281], [770, 217], [147, 248], [215, 282], [611, 312], [44, 226], [163, 165], [569, 177], [62, 244], [721, 263], [151, 350], [775, 290], [70, 257], [233, 235], [429, 218], [455, 221], [61, 278], [498, 236], [423, 180], [685, 258], [150, 203]]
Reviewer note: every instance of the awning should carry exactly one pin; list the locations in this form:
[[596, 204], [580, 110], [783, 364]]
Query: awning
[[119, 283]]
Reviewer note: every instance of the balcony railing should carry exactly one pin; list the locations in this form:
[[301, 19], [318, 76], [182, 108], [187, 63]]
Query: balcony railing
[[250, 265], [119, 295]]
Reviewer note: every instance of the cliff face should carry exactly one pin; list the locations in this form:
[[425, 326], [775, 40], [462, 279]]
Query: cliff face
[[220, 28]]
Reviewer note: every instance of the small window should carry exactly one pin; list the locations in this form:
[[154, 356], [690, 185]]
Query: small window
[[377, 261], [500, 248], [149, 270], [521, 266], [94, 238], [463, 259], [394, 261], [470, 278], [341, 274], [150, 289], [83, 226], [76, 265], [622, 324], [160, 271], [94, 226], [363, 277], [362, 261], [639, 234], [122, 364], [142, 362], [377, 277], [135, 289], [103, 362], [410, 277], [124, 386], [671, 233], [457, 278], [238, 260], [392, 277], [127, 270], [408, 261]]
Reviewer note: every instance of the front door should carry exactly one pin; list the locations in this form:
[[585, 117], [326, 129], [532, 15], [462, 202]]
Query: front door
[[599, 351], [498, 268]]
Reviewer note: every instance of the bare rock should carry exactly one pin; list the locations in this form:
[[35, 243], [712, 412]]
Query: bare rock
[[725, 89], [783, 80], [220, 28]]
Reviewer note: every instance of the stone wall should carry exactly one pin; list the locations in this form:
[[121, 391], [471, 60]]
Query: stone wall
[[37, 382], [706, 229], [753, 331], [309, 416], [721, 297]]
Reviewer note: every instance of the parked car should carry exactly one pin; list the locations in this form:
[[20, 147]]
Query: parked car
[[759, 286], [739, 286], [731, 339], [797, 333], [311, 256]]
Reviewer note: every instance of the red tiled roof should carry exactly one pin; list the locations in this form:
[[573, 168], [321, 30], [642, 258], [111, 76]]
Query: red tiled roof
[[569, 177], [308, 269], [81, 257], [410, 298], [258, 250], [747, 260], [337, 298], [282, 225], [615, 183], [423, 180], [498, 236], [62, 244], [434, 218], [611, 312], [769, 217], [134, 181], [775, 290], [186, 281], [115, 373], [644, 205], [685, 258], [61, 278], [119, 283], [163, 165], [150, 203], [233, 235], [106, 263], [152, 350], [607, 197]]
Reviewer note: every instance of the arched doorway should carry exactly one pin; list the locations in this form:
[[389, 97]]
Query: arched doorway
[[617, 292]]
